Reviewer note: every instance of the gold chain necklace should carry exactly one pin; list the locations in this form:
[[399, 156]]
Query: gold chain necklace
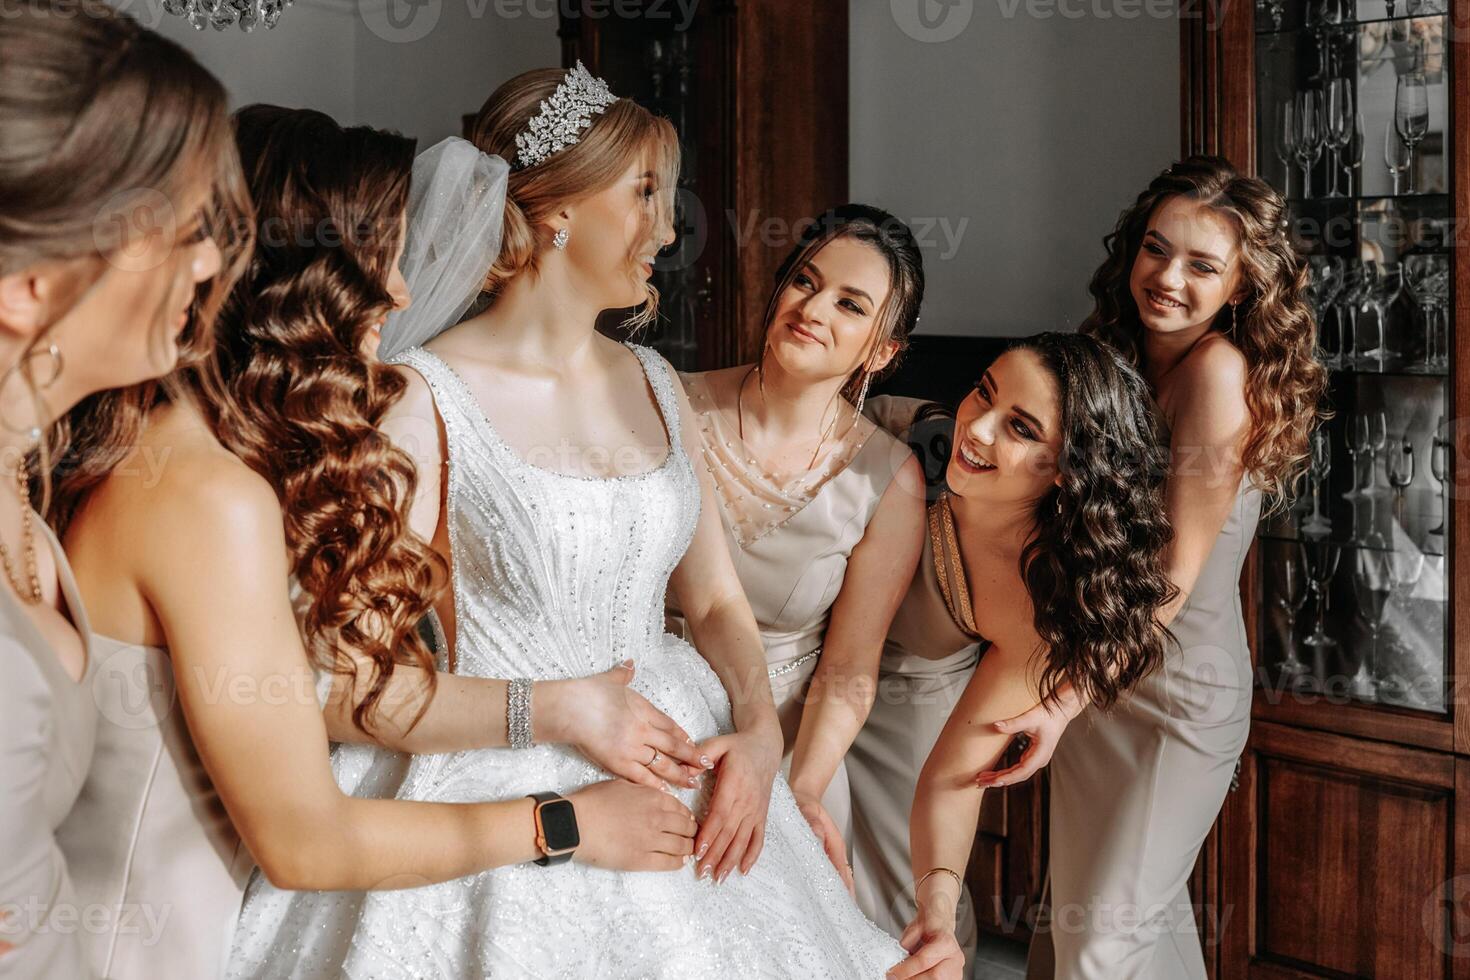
[[32, 595]]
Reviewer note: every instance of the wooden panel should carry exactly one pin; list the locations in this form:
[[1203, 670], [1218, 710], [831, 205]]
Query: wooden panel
[[1403, 727], [1337, 852], [1459, 626], [1347, 861], [793, 118]]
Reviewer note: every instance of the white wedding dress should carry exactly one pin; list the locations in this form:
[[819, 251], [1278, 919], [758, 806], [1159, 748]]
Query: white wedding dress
[[564, 576]]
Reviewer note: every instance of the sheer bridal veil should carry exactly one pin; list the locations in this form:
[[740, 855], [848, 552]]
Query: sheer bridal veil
[[456, 207]]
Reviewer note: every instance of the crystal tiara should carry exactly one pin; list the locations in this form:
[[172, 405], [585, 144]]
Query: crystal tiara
[[562, 118]]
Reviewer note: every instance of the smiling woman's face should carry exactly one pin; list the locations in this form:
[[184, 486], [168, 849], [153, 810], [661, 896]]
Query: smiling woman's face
[[1187, 267], [1007, 434], [824, 321]]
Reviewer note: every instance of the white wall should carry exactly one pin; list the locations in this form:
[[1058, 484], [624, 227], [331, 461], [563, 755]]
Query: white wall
[[1022, 137], [417, 73]]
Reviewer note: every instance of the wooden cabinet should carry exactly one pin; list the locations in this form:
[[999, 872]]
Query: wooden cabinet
[[758, 92], [1344, 850]]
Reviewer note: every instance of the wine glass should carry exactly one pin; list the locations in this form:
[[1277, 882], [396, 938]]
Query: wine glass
[[1420, 275], [1322, 288], [1349, 297], [1411, 114], [1439, 468], [1355, 438], [1321, 467], [1372, 584], [1321, 559], [1385, 282], [1400, 475], [1396, 153], [1339, 129], [1310, 133], [1373, 433], [1291, 596], [1283, 141], [1354, 151]]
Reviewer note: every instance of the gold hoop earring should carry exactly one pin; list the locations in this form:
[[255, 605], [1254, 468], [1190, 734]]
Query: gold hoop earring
[[58, 363]]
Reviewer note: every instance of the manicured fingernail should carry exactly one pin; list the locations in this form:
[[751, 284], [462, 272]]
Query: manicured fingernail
[[702, 848], [693, 780], [705, 873], [704, 761], [725, 875]]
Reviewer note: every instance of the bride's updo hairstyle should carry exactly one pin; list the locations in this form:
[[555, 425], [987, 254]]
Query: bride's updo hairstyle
[[616, 139]]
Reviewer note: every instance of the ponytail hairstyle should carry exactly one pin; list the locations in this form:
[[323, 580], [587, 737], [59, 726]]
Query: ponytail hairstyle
[[1276, 331], [614, 140], [303, 403]]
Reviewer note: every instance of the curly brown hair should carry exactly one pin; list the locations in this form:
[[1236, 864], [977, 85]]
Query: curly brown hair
[[1277, 333], [303, 404], [1094, 569]]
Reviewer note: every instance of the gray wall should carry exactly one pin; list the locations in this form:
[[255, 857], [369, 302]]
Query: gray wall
[[1010, 133], [1022, 137], [348, 59]]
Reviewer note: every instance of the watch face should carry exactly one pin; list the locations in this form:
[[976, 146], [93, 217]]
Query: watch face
[[559, 825]]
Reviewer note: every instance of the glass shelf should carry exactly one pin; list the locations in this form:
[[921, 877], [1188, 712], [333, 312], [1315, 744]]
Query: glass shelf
[[1354, 587]]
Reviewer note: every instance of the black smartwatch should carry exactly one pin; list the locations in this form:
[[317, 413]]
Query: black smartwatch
[[556, 828]]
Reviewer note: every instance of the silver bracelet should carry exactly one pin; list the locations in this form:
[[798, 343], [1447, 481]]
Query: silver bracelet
[[518, 713]]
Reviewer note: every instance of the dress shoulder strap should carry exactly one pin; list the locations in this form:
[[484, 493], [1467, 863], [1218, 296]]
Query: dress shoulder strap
[[661, 380]]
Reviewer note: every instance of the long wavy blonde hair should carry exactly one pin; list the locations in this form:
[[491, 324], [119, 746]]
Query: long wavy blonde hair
[[616, 139], [1276, 330]]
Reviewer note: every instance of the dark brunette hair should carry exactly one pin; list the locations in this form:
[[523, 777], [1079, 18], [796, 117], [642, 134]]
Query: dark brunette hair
[[1094, 568]]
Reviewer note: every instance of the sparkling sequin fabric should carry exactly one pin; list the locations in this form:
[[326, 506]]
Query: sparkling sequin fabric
[[563, 576]]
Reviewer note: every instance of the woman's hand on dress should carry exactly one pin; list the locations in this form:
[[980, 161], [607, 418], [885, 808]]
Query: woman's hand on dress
[[934, 952], [625, 827], [826, 830], [616, 728], [1043, 726], [734, 828]]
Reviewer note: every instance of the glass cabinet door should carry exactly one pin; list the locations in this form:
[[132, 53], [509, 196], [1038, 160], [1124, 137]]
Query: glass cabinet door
[[1353, 125]]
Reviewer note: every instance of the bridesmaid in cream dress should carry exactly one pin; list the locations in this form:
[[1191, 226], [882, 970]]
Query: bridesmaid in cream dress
[[928, 657], [822, 510], [63, 281]]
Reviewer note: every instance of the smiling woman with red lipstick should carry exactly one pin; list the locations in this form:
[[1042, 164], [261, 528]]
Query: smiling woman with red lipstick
[[822, 510]]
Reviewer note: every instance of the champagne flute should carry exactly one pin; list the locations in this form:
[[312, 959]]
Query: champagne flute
[[1283, 141], [1371, 586], [1291, 596], [1374, 431], [1354, 152], [1439, 468], [1321, 468], [1396, 154], [1400, 475], [1339, 127], [1355, 438], [1411, 114], [1321, 559], [1310, 133]]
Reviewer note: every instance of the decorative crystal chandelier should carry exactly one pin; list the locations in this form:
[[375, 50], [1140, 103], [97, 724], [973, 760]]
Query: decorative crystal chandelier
[[220, 14]]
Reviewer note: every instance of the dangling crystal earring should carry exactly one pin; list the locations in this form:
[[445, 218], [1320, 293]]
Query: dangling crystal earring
[[1234, 307], [560, 241], [863, 391]]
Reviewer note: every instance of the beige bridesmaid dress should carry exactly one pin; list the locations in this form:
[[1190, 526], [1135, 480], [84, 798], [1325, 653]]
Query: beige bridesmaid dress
[[47, 727], [149, 839], [790, 541], [928, 659]]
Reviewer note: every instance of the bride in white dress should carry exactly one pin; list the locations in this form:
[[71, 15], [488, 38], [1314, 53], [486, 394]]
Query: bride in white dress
[[556, 478]]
